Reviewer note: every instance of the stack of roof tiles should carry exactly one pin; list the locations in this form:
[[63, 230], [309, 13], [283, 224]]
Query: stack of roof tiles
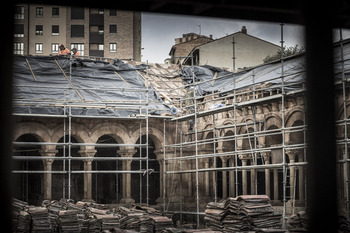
[[243, 213]]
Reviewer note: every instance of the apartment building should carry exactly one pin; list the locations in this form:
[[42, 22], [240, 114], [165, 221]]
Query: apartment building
[[40, 29]]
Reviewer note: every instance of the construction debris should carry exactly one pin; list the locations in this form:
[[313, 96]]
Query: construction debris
[[243, 213]]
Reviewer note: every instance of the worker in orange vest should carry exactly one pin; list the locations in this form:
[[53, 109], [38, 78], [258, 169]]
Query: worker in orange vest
[[63, 50], [75, 52]]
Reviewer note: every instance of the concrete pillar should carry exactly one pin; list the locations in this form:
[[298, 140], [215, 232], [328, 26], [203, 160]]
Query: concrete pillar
[[87, 176], [126, 152], [266, 155], [244, 158], [224, 178], [48, 176]]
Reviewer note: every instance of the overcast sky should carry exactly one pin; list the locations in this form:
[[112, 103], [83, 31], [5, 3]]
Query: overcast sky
[[160, 30]]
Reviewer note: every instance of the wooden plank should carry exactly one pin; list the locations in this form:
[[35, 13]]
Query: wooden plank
[[31, 70], [215, 75], [122, 79], [72, 85]]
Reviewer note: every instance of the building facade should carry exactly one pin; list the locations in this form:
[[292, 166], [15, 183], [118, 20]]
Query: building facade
[[40, 29], [236, 51]]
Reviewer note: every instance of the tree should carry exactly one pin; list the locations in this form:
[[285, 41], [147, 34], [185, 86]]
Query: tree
[[292, 50]]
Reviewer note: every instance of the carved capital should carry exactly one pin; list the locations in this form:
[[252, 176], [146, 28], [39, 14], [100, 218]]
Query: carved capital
[[245, 156], [266, 155], [127, 152], [48, 153], [292, 154]]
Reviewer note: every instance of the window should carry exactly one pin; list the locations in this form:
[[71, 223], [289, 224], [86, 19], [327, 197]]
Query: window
[[77, 13], [100, 30], [100, 47], [112, 28], [79, 47], [77, 31], [54, 48], [55, 30], [39, 30], [39, 12], [18, 48], [113, 47], [38, 48], [19, 12], [18, 30], [112, 12], [55, 12]]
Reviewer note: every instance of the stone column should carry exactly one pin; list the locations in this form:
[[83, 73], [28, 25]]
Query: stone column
[[127, 199], [224, 178], [232, 178], [301, 175], [206, 179], [266, 155], [48, 176], [252, 180], [87, 176], [160, 159], [244, 158], [291, 154], [275, 184]]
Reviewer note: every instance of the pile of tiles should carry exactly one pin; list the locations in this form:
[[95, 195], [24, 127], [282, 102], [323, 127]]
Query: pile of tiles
[[64, 217], [298, 222], [20, 217], [243, 213], [40, 221], [343, 224], [143, 219]]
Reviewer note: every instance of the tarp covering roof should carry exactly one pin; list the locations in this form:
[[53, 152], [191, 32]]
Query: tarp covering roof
[[210, 79], [43, 84]]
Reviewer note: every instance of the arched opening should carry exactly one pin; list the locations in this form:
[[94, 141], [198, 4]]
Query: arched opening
[[107, 187], [139, 181], [228, 145], [298, 136], [275, 137], [60, 187], [29, 186]]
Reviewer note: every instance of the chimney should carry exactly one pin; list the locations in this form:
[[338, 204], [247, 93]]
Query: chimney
[[211, 36], [244, 30]]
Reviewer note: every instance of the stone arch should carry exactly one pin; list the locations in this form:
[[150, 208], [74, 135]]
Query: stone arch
[[115, 130], [273, 123], [38, 130], [79, 132], [29, 186], [294, 118], [224, 133], [293, 115], [155, 134]]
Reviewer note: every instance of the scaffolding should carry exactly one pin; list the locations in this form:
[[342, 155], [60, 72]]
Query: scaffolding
[[194, 160]]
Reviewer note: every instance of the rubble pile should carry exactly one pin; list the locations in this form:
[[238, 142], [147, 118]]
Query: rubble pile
[[243, 213]]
